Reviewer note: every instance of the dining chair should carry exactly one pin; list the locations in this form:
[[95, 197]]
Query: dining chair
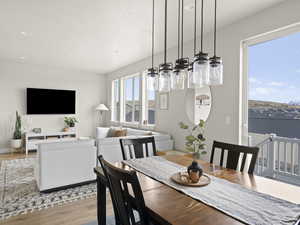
[[233, 155], [126, 194], [134, 148]]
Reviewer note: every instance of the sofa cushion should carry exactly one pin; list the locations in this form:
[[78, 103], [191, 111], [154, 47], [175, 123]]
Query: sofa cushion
[[120, 133], [102, 132], [136, 132], [117, 132], [68, 145]]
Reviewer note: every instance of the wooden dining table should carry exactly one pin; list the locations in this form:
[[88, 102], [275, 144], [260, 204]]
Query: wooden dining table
[[166, 205]]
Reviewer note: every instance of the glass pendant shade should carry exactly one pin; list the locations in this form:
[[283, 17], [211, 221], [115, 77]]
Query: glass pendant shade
[[152, 79], [216, 71], [190, 76], [152, 83], [178, 79], [201, 70], [179, 74], [190, 83], [164, 79]]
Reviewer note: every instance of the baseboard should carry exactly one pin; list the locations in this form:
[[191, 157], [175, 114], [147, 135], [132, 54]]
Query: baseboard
[[68, 186], [4, 150]]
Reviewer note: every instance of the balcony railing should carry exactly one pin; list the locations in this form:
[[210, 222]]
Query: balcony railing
[[279, 157]]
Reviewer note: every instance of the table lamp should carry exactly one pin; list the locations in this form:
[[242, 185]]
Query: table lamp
[[101, 108]]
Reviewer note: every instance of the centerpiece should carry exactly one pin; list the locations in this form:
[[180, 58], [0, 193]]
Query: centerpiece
[[195, 143]]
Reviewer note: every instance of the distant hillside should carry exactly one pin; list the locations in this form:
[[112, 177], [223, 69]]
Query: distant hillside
[[267, 104], [273, 110]]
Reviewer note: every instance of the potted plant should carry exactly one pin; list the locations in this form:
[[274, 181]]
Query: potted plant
[[16, 142], [195, 144], [70, 122]]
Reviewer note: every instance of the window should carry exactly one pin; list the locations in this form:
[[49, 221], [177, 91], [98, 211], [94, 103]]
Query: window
[[132, 99], [151, 106], [116, 100], [132, 102], [274, 102]]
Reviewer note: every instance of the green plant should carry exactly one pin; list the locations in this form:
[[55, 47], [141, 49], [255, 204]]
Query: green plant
[[194, 142], [17, 132], [70, 121]]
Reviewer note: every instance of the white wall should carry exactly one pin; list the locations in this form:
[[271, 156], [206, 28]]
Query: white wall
[[225, 99], [16, 77]]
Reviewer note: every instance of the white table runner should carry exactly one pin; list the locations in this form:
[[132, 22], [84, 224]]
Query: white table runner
[[248, 206]]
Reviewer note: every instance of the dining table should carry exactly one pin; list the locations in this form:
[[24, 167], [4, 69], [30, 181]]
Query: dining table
[[165, 205]]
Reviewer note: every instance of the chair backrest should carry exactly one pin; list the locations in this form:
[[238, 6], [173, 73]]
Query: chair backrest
[[126, 194], [233, 155], [134, 148]]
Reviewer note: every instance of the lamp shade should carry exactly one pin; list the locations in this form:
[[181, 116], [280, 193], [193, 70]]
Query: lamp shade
[[101, 107]]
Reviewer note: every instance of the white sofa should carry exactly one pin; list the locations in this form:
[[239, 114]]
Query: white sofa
[[62, 164], [110, 147]]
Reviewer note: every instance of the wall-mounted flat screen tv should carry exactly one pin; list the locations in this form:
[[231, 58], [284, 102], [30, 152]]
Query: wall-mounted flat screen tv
[[50, 101]]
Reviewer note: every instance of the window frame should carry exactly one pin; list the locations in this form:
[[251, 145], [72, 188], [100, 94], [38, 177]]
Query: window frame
[[143, 102], [113, 98], [244, 76], [133, 122]]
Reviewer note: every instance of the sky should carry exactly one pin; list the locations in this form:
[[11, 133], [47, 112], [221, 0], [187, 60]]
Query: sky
[[274, 70], [128, 89]]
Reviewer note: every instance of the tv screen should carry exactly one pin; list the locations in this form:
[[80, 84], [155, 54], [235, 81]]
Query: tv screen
[[49, 101]]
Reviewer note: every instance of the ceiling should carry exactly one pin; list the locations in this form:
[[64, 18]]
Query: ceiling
[[100, 35]]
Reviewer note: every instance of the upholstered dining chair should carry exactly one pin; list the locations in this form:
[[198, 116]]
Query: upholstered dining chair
[[137, 147], [126, 194], [234, 153]]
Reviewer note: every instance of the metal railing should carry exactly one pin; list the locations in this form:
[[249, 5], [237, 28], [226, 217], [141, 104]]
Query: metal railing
[[279, 158]]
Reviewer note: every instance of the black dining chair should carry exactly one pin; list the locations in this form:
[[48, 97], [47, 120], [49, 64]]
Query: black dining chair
[[134, 148], [126, 194], [233, 155]]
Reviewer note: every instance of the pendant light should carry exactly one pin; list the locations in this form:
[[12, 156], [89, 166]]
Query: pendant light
[[190, 83], [152, 73], [165, 69], [181, 65], [201, 62], [216, 65]]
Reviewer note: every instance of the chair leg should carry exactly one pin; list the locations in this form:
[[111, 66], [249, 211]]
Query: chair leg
[[101, 202]]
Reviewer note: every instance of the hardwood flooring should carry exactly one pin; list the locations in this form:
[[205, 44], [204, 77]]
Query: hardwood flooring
[[75, 213]]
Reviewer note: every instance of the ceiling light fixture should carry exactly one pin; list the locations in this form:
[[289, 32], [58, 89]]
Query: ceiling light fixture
[[165, 69], [201, 62], [190, 68], [216, 64], [181, 65], [152, 73]]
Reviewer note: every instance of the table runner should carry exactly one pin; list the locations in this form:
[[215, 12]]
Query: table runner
[[248, 206]]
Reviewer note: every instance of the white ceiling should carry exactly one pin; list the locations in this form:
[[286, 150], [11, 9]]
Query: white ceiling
[[99, 35]]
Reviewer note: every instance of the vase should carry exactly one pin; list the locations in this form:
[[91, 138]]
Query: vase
[[16, 143], [195, 171], [72, 129], [196, 155]]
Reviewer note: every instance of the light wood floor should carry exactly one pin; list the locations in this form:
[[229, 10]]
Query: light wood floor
[[75, 213]]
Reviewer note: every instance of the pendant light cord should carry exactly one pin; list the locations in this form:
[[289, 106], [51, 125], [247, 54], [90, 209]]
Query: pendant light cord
[[202, 22], [182, 28], [195, 27], [178, 30], [166, 11], [215, 29], [153, 33]]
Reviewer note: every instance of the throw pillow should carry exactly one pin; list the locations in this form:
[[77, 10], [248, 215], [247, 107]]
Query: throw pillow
[[112, 131], [120, 133]]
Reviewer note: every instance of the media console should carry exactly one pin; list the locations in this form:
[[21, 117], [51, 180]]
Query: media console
[[33, 139]]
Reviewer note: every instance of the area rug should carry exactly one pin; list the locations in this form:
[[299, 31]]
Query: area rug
[[19, 193]]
